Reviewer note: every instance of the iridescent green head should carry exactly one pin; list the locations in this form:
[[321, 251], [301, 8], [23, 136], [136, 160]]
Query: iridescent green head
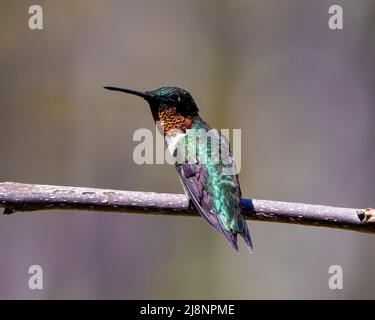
[[166, 96]]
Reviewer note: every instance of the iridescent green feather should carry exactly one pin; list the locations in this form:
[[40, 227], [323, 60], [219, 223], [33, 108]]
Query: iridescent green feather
[[222, 188]]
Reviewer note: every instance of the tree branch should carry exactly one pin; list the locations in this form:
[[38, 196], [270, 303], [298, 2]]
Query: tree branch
[[32, 197]]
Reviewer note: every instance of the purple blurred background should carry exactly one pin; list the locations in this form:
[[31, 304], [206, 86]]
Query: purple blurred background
[[302, 94]]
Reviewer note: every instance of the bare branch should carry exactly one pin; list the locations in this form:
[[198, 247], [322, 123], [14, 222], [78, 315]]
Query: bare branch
[[32, 197]]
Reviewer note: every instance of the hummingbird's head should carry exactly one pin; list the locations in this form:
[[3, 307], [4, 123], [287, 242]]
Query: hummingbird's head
[[175, 97], [174, 107]]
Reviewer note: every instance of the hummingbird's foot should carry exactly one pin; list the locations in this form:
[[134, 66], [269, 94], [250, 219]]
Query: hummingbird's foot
[[191, 206]]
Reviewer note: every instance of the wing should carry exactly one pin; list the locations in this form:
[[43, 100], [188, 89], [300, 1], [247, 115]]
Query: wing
[[193, 177]]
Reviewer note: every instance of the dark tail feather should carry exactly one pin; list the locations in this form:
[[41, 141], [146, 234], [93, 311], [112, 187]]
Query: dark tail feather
[[232, 238], [245, 234]]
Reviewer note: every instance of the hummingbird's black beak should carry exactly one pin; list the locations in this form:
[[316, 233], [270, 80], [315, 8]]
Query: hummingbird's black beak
[[141, 94], [147, 95]]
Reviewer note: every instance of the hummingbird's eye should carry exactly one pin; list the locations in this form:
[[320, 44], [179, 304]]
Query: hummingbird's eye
[[174, 97]]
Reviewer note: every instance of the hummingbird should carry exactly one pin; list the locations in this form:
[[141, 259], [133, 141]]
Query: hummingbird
[[214, 193]]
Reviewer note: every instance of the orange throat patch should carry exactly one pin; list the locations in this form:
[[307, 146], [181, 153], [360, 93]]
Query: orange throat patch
[[172, 122]]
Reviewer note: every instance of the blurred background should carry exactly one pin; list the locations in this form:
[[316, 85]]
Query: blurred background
[[302, 94]]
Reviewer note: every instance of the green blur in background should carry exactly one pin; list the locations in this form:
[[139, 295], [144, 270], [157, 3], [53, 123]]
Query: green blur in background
[[302, 94]]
